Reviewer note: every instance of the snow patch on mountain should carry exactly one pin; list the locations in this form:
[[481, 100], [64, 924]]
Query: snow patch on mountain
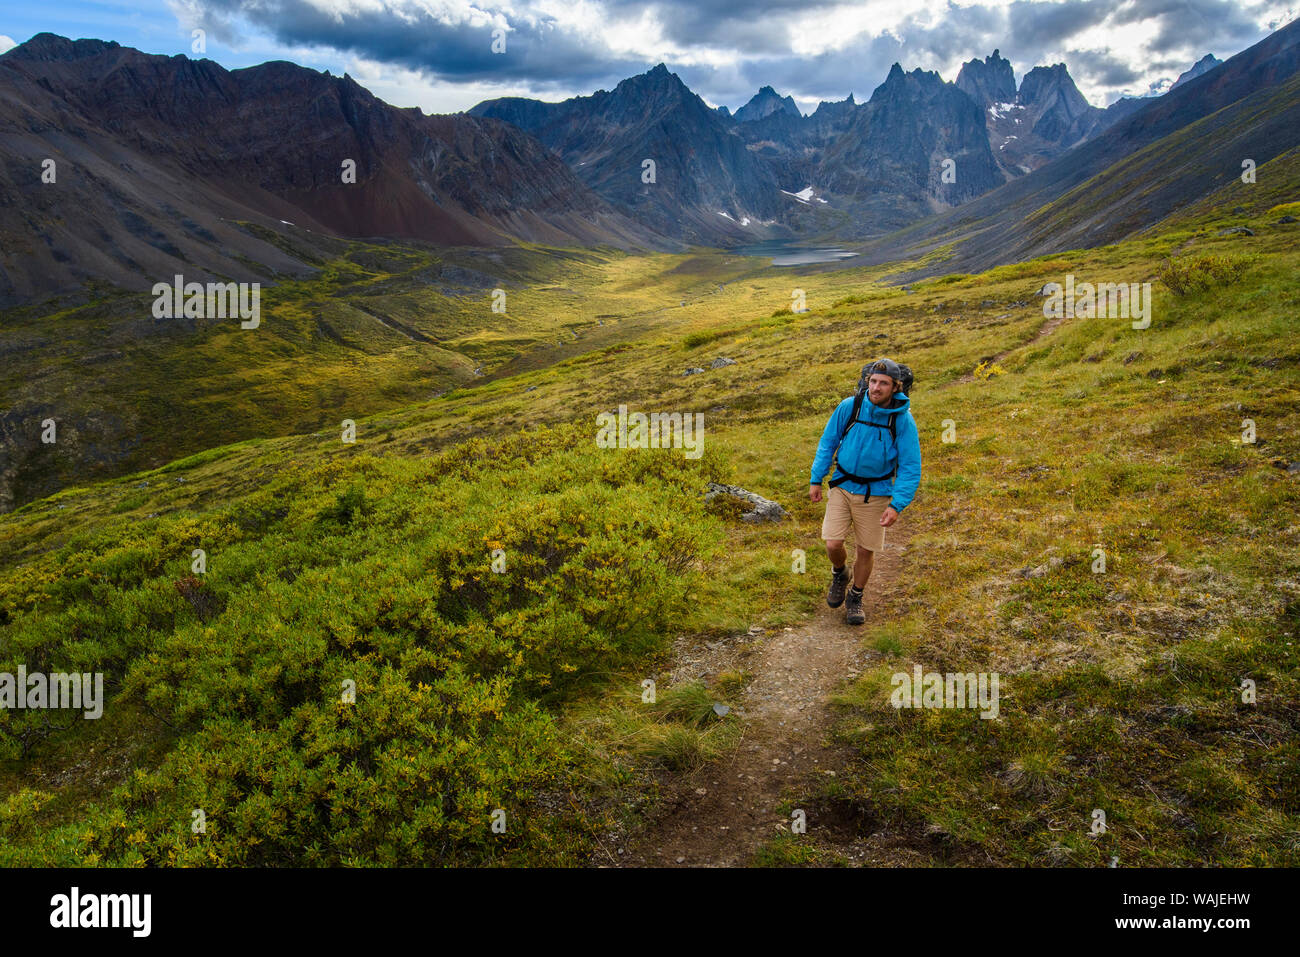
[[804, 195]]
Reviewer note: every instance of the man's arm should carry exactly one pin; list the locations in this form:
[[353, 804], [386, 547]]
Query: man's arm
[[829, 440], [909, 464]]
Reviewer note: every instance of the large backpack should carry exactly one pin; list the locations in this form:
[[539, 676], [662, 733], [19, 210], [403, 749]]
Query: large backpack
[[859, 395]]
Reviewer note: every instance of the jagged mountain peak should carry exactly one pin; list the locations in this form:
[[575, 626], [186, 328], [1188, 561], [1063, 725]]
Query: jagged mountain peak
[[988, 81], [1042, 83], [994, 60], [899, 82], [1030, 126], [1204, 65], [658, 74], [764, 103], [835, 105], [51, 46], [658, 82]]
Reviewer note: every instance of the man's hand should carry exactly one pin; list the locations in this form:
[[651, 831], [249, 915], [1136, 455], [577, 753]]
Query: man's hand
[[889, 517], [815, 493]]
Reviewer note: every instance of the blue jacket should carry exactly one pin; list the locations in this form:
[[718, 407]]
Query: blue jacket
[[869, 451]]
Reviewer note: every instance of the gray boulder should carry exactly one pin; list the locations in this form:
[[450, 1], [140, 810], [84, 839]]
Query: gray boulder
[[764, 510]]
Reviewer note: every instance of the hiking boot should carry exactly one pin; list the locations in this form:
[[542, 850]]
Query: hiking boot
[[839, 582], [853, 613]]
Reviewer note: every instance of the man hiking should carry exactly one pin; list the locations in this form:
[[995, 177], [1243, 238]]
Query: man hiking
[[874, 447]]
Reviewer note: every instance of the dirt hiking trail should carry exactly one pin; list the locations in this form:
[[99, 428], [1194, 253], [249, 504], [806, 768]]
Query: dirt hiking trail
[[722, 813]]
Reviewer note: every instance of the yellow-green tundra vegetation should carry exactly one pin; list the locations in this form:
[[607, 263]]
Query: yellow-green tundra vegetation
[[369, 565]]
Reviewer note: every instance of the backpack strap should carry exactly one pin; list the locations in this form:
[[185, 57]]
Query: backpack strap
[[861, 480], [853, 417], [853, 420], [845, 476], [893, 434]]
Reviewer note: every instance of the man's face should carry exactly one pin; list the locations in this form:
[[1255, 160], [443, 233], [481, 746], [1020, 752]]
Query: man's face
[[880, 388]]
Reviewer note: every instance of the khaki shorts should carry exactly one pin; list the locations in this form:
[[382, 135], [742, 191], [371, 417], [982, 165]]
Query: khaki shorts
[[843, 510]]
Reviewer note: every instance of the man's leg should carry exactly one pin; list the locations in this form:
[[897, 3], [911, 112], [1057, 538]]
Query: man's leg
[[861, 567], [835, 526], [853, 613], [839, 576]]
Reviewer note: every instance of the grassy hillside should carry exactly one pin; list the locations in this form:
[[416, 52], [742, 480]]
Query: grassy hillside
[[380, 326], [521, 691]]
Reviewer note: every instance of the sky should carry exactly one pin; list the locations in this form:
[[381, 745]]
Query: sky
[[447, 55]]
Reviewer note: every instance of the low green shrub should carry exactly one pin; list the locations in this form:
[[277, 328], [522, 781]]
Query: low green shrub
[[1189, 274]]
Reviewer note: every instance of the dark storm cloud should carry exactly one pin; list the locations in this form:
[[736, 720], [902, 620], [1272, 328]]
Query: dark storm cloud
[[538, 50], [1196, 23], [1031, 24], [543, 55], [758, 28], [1101, 68]]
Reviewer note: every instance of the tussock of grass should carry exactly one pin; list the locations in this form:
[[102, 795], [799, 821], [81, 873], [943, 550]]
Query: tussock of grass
[[790, 850], [1192, 274]]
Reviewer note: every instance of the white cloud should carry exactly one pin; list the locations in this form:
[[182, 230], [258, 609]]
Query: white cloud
[[6, 43], [432, 53], [406, 88]]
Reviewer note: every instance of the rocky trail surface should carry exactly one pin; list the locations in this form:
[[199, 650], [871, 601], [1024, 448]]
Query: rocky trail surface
[[722, 813]]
